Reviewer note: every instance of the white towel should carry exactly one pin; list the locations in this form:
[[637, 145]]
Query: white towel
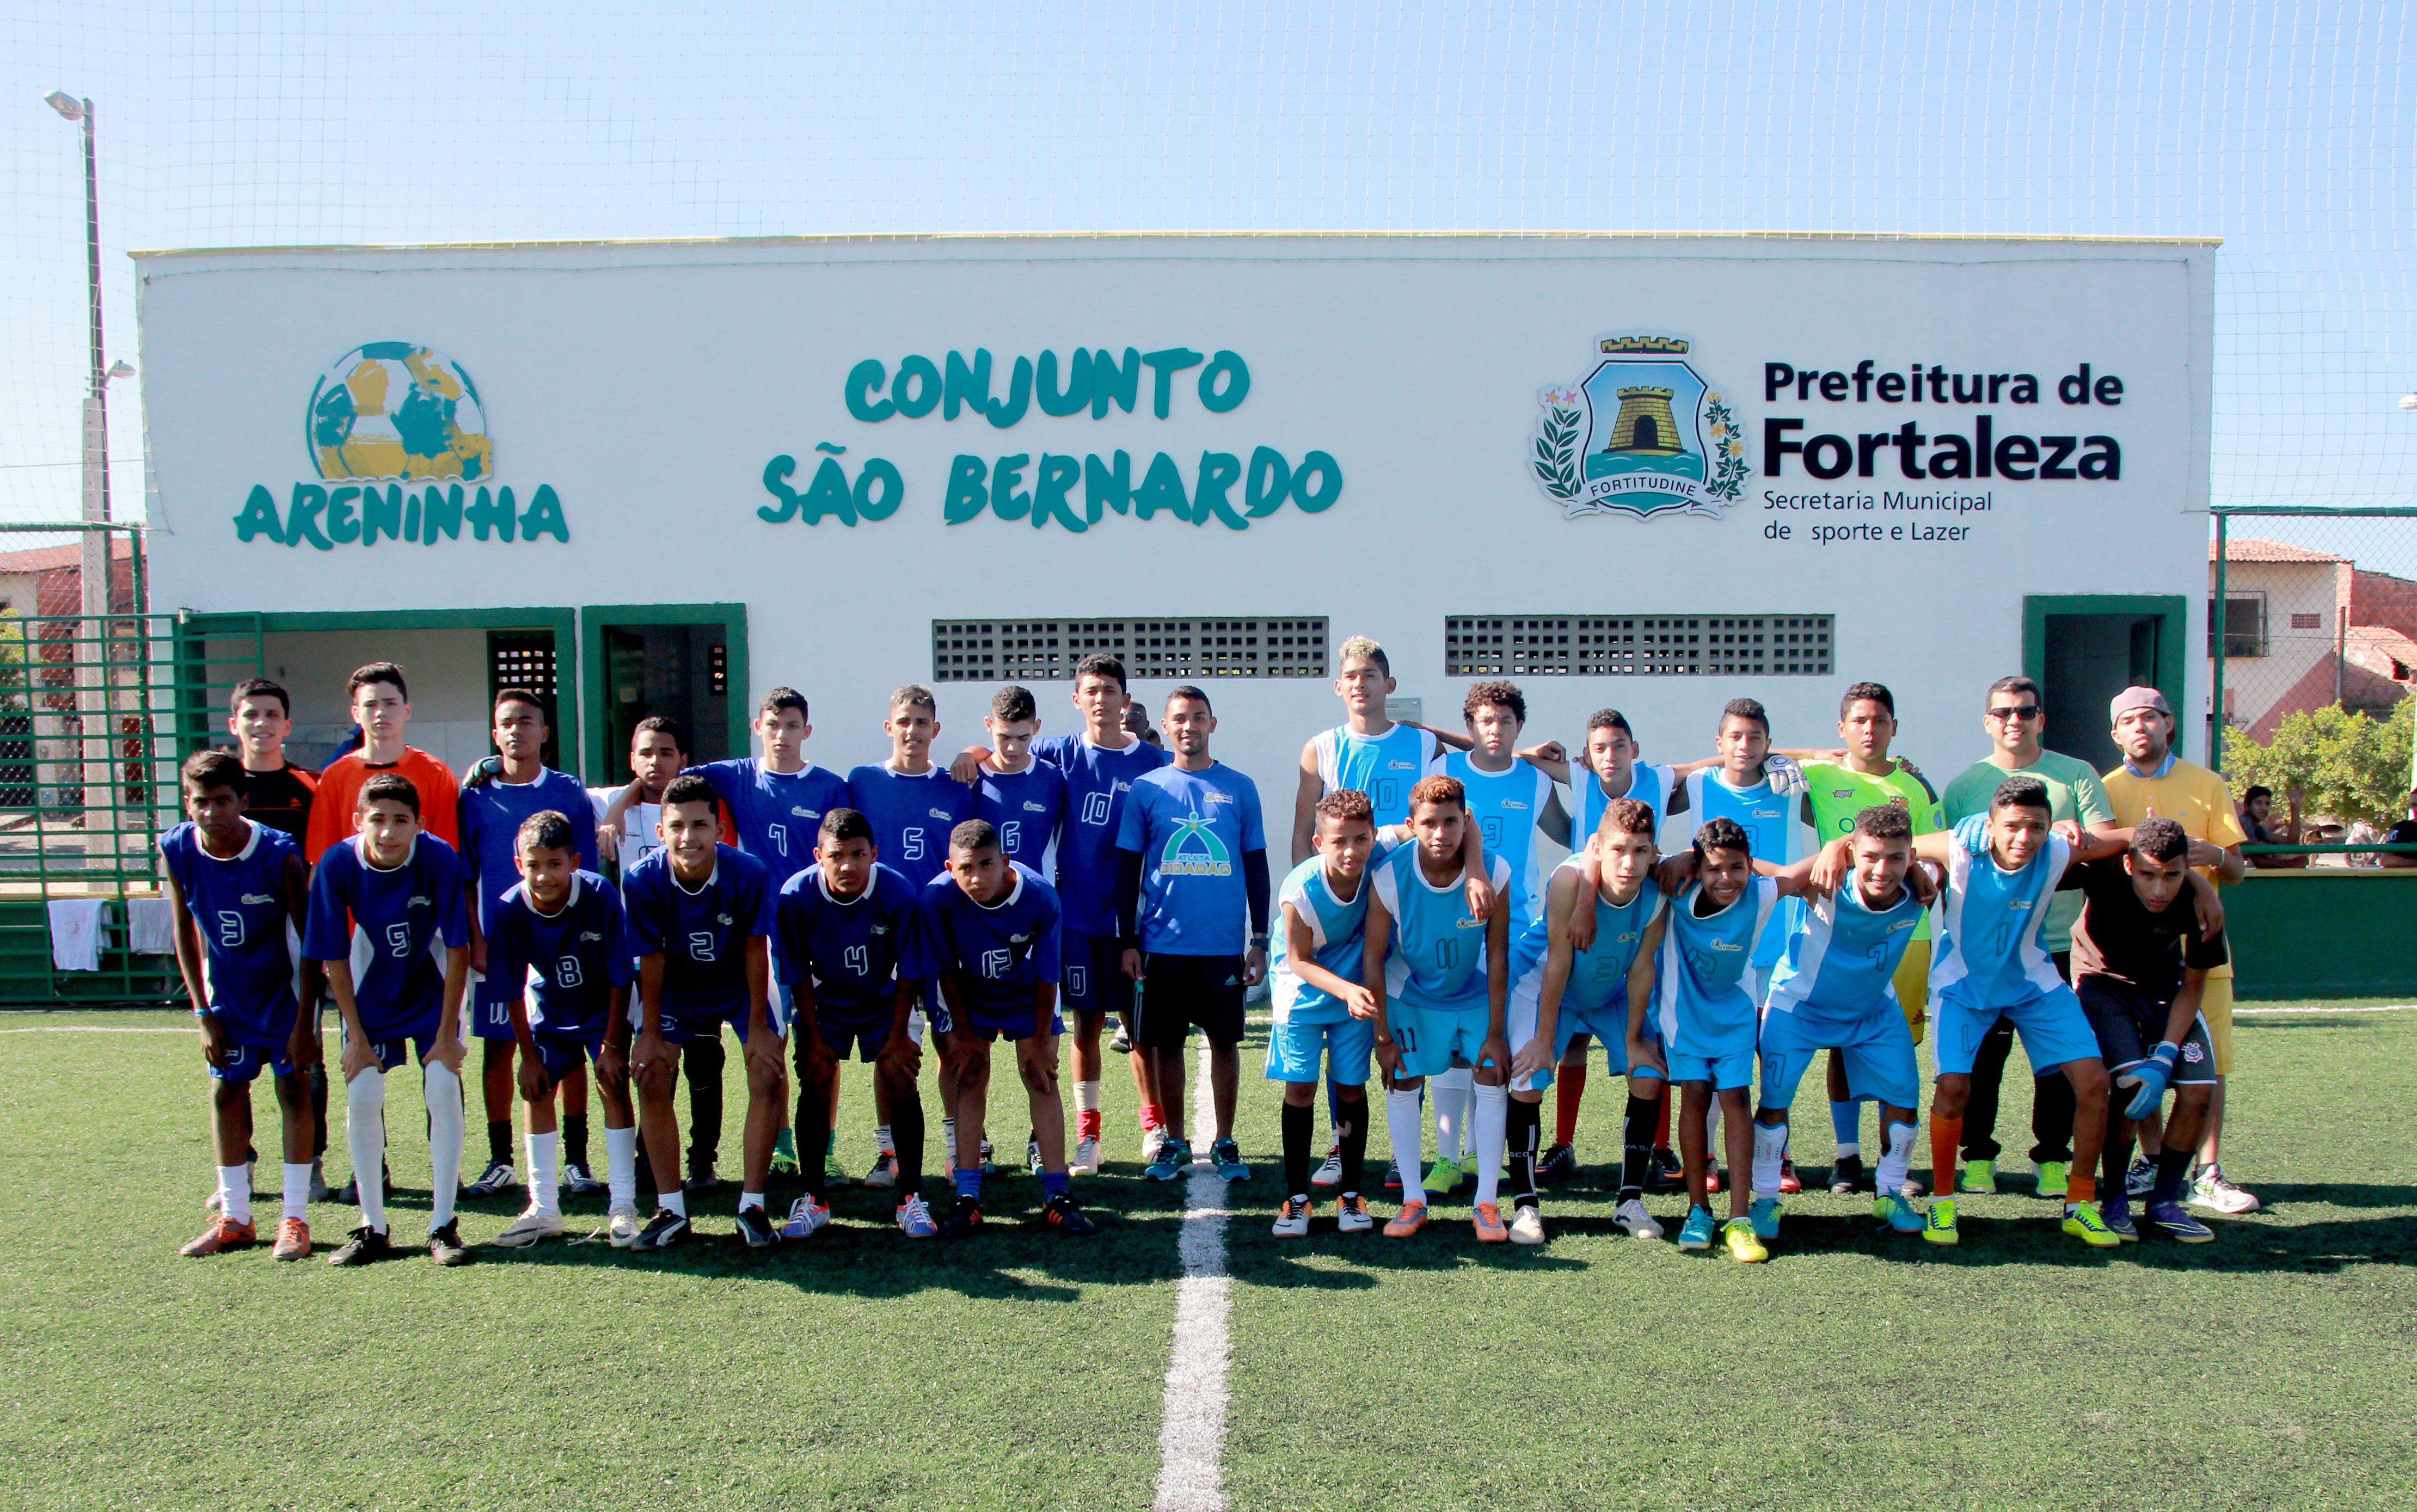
[[150, 927], [75, 933]]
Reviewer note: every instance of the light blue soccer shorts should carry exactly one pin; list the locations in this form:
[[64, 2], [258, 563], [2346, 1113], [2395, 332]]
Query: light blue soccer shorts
[[1434, 1040], [2054, 1029], [1526, 1005], [1878, 1048], [1297, 1051]]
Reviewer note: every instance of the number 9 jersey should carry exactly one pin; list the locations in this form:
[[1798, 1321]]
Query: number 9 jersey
[[388, 923]]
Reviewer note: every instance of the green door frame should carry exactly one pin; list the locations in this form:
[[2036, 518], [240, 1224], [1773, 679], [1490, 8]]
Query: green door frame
[[560, 621], [2172, 611], [594, 617]]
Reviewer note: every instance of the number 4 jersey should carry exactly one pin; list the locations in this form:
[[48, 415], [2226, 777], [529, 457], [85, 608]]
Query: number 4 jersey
[[389, 923]]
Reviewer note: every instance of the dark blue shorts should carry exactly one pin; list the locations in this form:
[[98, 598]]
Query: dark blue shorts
[[490, 1016], [244, 1062], [987, 1026], [682, 1023], [561, 1054], [1092, 974], [418, 1030]]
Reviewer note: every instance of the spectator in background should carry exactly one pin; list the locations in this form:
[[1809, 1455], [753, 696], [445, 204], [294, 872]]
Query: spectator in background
[[2257, 808], [2404, 832]]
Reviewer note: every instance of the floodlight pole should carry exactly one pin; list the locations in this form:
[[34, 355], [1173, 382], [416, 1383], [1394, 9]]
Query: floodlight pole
[[92, 699]]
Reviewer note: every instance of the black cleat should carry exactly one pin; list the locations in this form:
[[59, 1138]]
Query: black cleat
[[1847, 1177], [446, 1248], [1559, 1164], [964, 1219], [661, 1231], [362, 1246], [1666, 1175], [1063, 1214], [756, 1229]]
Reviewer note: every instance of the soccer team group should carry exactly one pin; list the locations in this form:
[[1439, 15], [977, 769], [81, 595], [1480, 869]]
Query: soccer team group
[[1805, 900]]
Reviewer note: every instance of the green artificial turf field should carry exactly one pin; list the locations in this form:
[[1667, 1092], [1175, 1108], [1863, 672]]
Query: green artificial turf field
[[2270, 1369]]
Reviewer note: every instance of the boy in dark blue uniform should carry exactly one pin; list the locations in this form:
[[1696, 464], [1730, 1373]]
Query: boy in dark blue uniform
[[846, 927], [387, 906], [233, 885], [700, 917], [990, 938], [560, 937]]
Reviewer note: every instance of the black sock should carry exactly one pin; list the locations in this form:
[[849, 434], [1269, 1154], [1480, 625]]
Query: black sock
[[499, 1140], [1353, 1132], [906, 1132], [575, 1139], [2115, 1160], [318, 1110], [2173, 1169], [1637, 1144], [1298, 1124], [814, 1137], [1525, 1120], [701, 1062]]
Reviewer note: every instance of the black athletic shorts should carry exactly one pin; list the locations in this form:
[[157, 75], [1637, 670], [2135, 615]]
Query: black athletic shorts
[[1178, 993], [2130, 1022]]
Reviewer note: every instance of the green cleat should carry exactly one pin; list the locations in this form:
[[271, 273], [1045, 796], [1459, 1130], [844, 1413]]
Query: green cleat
[[1744, 1244], [1446, 1175], [784, 1154], [1894, 1210], [1979, 1177], [2086, 1223], [2052, 1179], [1939, 1226]]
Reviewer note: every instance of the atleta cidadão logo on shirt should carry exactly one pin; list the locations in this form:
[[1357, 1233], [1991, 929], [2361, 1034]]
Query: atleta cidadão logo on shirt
[[1180, 859]]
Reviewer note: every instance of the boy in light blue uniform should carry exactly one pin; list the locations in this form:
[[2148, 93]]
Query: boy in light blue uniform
[[498, 796], [1576, 992], [1367, 754], [1833, 989], [1613, 771], [1701, 992], [235, 887], [1755, 789], [1441, 982]]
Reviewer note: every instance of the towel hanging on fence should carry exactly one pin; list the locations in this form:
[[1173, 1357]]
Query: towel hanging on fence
[[150, 927], [75, 933]]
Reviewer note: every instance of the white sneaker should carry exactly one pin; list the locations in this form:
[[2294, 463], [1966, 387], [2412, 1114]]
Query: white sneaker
[[1293, 1222], [2141, 1179], [1087, 1157], [532, 1225], [915, 1220], [804, 1219], [1637, 1222], [1151, 1140], [1330, 1174], [2212, 1190], [623, 1224], [1528, 1224]]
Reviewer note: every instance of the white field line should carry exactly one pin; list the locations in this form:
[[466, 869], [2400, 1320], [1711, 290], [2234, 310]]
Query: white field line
[[95, 1029], [1192, 1432], [2320, 1007]]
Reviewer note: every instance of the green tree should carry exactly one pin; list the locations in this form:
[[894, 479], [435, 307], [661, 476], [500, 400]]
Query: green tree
[[2349, 766]]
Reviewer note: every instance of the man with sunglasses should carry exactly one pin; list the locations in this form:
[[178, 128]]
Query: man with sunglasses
[[2013, 717]]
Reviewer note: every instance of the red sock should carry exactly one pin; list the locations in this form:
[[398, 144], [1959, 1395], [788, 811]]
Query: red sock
[[1151, 1117], [1662, 1129], [1946, 1138], [1087, 1123], [1567, 1091]]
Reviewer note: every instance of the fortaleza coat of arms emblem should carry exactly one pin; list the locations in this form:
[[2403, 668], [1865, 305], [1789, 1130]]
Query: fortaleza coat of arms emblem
[[1643, 434]]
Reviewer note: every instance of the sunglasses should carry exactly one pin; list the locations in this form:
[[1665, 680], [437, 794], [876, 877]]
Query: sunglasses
[[2015, 711]]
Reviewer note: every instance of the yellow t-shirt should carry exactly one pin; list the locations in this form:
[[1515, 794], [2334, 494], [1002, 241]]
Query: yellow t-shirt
[[2189, 795]]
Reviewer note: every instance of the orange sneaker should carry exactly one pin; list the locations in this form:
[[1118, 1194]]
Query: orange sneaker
[[220, 1235], [293, 1240], [1490, 1228], [1409, 1220]]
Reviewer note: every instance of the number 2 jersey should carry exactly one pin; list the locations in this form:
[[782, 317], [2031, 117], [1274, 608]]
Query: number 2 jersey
[[390, 923], [701, 933], [238, 904], [567, 962]]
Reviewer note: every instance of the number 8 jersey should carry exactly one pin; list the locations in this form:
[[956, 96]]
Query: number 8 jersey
[[388, 923]]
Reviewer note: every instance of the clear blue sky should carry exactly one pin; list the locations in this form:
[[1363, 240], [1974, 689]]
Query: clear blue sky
[[2288, 129]]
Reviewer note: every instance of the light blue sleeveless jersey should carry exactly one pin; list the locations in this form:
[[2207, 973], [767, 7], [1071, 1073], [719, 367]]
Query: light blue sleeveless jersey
[[1506, 806], [1840, 958], [1336, 931], [1384, 766], [1599, 975], [1437, 954], [1988, 953], [1701, 1001], [1772, 826], [1649, 785]]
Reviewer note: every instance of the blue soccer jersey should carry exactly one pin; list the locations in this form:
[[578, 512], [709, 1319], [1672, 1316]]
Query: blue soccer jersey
[[389, 923], [701, 933], [1649, 785], [489, 818], [1774, 833], [1506, 807], [1097, 782], [1988, 952], [1192, 830], [1384, 767], [853, 950], [567, 962], [779, 814], [238, 906], [1841, 956], [999, 952], [1703, 994], [911, 816], [1597, 988], [1024, 807], [1337, 931], [1436, 958]]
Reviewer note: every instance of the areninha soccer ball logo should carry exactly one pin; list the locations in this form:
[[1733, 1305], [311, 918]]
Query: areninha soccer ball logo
[[1640, 435], [393, 410]]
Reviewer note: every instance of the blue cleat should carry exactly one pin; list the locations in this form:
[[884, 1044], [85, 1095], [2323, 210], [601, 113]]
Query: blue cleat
[[1764, 1214], [1697, 1232], [1894, 1210], [1174, 1158], [2117, 1214], [1227, 1158], [2174, 1221]]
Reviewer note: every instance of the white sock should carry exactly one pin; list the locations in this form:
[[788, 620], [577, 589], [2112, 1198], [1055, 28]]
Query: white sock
[[298, 1190], [673, 1201], [1404, 1121], [949, 1140], [441, 1090], [882, 1143], [1452, 1111], [365, 1141], [1493, 1115], [545, 1173], [748, 1199], [1896, 1155], [621, 1165], [1712, 1137], [1769, 1148], [235, 1193]]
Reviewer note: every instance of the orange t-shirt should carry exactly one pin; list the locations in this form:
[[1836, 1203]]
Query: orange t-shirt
[[340, 794]]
